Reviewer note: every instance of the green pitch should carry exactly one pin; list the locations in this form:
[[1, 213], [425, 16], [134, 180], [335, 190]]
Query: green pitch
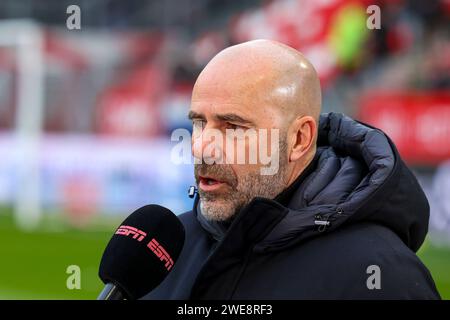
[[33, 265]]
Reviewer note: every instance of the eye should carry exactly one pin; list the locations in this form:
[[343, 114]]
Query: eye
[[198, 123], [235, 126], [197, 126]]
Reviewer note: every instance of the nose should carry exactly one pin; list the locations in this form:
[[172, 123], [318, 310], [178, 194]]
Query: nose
[[198, 145], [207, 146]]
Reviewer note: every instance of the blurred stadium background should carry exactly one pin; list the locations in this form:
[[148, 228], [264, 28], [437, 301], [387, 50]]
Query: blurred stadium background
[[86, 115]]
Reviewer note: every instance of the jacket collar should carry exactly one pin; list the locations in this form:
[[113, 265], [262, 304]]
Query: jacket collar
[[218, 229]]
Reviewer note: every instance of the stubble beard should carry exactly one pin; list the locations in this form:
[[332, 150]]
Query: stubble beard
[[242, 190]]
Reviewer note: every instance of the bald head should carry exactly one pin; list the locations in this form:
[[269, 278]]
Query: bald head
[[263, 74]]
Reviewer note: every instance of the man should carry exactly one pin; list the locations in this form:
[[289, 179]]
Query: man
[[340, 218]]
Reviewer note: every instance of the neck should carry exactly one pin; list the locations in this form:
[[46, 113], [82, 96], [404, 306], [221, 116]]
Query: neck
[[299, 168]]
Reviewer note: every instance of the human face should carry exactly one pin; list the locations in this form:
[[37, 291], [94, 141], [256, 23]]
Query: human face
[[225, 185]]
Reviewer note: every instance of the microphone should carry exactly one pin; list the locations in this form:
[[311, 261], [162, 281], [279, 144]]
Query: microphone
[[141, 253], [192, 191]]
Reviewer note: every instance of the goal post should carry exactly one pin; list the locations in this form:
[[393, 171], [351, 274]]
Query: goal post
[[26, 37]]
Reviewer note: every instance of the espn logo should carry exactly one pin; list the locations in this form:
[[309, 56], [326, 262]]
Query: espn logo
[[153, 245], [161, 253], [127, 230]]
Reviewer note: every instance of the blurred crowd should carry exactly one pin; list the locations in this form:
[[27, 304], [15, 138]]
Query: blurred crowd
[[122, 74]]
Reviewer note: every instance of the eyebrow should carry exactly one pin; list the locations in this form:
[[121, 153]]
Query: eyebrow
[[227, 117], [231, 117], [195, 115]]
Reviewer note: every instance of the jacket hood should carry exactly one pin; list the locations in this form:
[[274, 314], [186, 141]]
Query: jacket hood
[[356, 176]]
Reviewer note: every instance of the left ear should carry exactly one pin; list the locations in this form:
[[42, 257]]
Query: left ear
[[303, 132]]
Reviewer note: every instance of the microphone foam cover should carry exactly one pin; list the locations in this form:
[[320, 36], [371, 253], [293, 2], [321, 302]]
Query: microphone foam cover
[[142, 251]]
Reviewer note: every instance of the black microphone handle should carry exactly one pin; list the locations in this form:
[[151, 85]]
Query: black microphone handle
[[111, 292]]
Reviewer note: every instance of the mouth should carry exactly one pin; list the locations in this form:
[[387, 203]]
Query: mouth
[[210, 184]]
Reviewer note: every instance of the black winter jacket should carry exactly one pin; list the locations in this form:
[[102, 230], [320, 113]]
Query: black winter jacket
[[355, 213]]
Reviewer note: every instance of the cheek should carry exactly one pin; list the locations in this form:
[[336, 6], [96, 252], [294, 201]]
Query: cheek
[[245, 151], [238, 169], [244, 170]]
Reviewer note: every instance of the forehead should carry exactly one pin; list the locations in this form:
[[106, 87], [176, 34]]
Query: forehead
[[247, 99]]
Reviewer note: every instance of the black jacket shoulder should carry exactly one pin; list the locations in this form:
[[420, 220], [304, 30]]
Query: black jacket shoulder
[[360, 261]]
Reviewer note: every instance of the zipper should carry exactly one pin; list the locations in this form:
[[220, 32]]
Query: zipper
[[325, 222]]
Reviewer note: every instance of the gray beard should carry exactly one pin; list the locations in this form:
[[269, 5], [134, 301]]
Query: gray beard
[[248, 187]]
